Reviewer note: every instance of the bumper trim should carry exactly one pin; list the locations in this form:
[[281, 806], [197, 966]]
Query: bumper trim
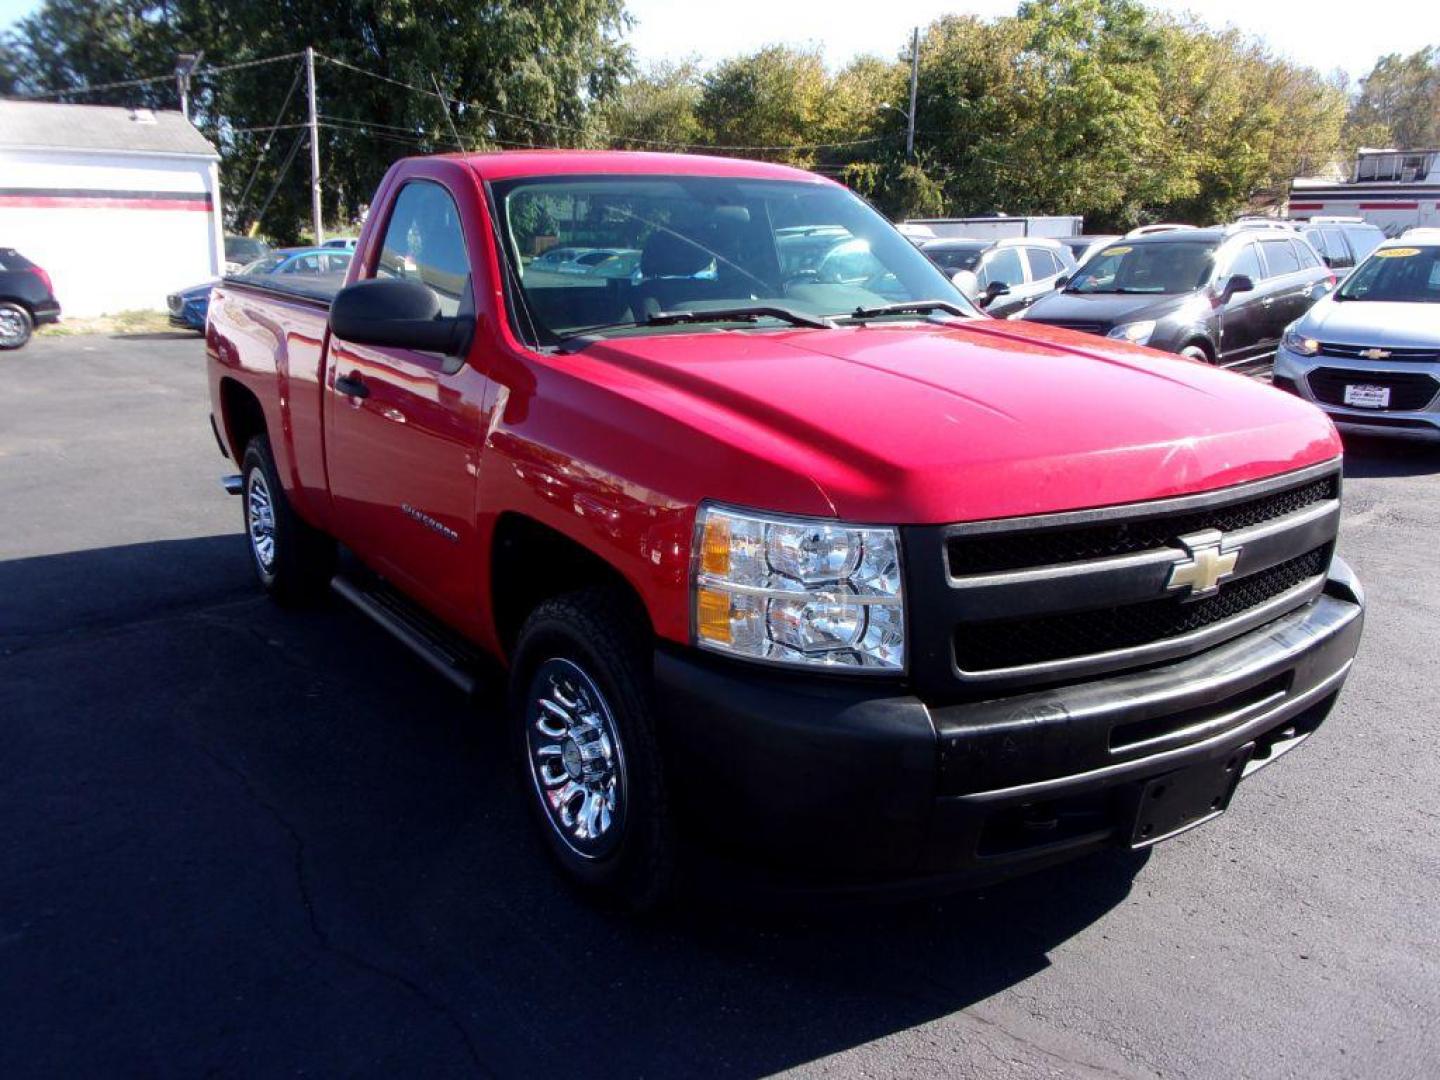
[[1158, 763]]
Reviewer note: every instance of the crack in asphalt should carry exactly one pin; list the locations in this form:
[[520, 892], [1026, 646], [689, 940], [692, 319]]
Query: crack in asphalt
[[436, 1004]]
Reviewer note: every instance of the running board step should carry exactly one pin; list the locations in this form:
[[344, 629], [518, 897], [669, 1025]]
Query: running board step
[[439, 646]]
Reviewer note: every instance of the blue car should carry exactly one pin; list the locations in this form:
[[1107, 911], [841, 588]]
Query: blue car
[[326, 266]]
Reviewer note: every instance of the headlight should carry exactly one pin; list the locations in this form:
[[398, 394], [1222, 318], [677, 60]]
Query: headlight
[[1137, 333], [806, 591], [1300, 344]]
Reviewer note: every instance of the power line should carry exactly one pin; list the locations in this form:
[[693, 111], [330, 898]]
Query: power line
[[213, 69], [265, 150], [555, 126]]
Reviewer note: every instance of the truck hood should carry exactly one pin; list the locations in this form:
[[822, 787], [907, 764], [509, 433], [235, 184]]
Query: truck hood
[[932, 423], [1373, 322]]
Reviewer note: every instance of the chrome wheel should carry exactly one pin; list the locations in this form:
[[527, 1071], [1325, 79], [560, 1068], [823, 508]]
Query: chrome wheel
[[260, 519], [12, 327], [575, 757]]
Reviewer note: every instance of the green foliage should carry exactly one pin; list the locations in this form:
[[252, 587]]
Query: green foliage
[[1096, 107], [536, 69], [1399, 103]]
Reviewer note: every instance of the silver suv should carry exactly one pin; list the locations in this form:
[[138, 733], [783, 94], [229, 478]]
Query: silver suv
[[1369, 353]]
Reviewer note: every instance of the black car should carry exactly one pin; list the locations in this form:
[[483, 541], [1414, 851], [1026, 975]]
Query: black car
[[26, 299], [1223, 295]]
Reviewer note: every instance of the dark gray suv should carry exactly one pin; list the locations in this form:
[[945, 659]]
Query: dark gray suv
[[1222, 295]]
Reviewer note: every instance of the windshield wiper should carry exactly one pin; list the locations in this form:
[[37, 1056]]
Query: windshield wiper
[[747, 313], [905, 307]]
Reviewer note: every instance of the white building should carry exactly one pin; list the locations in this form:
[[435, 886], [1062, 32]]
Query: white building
[[120, 206]]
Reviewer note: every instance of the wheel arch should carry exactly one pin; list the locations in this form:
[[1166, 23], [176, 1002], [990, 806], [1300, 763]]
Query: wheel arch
[[531, 562]]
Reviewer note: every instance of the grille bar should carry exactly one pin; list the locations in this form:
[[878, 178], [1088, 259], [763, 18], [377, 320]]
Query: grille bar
[[986, 646], [988, 553], [1352, 352]]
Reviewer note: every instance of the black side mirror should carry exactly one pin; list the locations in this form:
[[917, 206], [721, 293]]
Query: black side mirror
[[1237, 283], [1062, 281], [996, 289], [397, 313]]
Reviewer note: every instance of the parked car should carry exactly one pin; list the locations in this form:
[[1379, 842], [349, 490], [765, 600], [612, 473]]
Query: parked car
[[1003, 276], [1158, 227], [777, 563], [1221, 295], [345, 243], [587, 261], [1343, 243], [1084, 246], [241, 251], [27, 299], [1369, 353], [319, 266]]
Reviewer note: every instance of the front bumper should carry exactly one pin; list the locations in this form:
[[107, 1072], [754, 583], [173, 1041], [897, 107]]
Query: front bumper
[[853, 786], [1292, 371]]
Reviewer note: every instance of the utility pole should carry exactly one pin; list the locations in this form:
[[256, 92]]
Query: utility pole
[[185, 65], [315, 215], [914, 85]]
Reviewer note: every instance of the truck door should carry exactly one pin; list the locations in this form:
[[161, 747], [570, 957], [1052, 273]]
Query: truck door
[[404, 428]]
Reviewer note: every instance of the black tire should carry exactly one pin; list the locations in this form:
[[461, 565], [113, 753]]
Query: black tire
[[16, 325], [600, 633], [301, 559], [1195, 351]]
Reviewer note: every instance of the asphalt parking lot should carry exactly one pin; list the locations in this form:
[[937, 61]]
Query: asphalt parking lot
[[241, 842]]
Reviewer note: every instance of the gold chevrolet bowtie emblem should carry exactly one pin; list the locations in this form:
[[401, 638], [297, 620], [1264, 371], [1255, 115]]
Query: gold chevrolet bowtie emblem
[[1207, 563], [1375, 354]]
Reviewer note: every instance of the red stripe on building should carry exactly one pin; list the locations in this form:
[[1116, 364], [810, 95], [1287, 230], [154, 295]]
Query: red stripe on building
[[1307, 206], [1389, 206], [102, 203]]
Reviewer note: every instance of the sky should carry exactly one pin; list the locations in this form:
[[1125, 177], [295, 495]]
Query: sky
[[1324, 34]]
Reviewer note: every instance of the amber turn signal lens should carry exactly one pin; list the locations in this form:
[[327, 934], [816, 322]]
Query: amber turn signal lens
[[715, 547], [712, 616]]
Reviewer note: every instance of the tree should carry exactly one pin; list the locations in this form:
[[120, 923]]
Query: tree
[[656, 110], [1399, 102], [528, 72], [775, 97]]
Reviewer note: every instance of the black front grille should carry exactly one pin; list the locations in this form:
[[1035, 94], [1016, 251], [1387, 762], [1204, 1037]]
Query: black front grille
[[1352, 352], [986, 646], [1073, 324], [984, 553], [1408, 390]]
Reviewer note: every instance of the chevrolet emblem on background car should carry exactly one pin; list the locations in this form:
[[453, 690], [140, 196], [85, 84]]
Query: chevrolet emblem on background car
[[1375, 354], [1206, 566]]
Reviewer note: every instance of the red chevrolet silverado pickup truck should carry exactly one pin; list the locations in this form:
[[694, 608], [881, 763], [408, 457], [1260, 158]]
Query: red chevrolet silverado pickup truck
[[788, 551]]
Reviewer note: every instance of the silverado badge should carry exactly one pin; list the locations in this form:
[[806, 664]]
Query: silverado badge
[[1205, 565]]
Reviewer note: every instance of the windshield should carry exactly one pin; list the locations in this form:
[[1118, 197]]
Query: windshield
[[952, 259], [1170, 267], [243, 249], [688, 244], [267, 265], [1398, 274]]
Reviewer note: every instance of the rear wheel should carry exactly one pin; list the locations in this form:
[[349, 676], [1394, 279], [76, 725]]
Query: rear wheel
[[293, 561], [15, 325], [582, 715], [1195, 352]]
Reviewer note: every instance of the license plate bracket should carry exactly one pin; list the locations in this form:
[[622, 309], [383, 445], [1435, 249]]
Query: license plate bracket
[[1181, 800], [1367, 396]]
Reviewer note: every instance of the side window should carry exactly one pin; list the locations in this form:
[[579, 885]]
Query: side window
[[1306, 255], [425, 242], [1042, 263], [1336, 247], [1247, 262], [1280, 257], [1002, 265]]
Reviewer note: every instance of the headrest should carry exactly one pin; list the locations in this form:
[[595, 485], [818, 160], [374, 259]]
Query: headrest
[[668, 255]]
